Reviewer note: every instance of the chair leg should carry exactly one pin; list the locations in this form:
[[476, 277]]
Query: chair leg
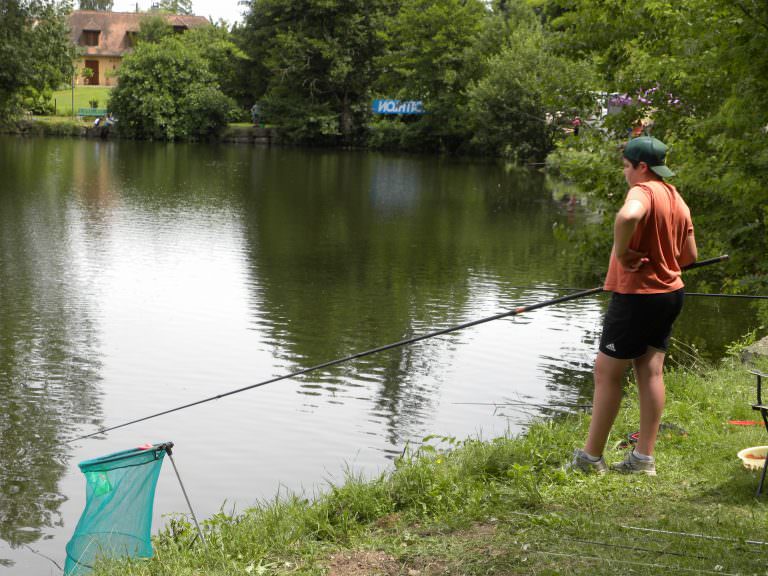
[[762, 477]]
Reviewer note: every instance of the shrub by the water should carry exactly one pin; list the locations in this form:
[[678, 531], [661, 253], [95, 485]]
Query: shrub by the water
[[167, 92]]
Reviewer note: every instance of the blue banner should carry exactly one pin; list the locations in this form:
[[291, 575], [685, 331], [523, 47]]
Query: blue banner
[[398, 107]]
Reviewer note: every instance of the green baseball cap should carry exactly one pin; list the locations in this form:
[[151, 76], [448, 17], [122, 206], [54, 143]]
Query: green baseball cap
[[651, 151]]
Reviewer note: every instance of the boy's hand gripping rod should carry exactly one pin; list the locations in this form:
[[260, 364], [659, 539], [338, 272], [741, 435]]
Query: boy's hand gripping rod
[[515, 312]]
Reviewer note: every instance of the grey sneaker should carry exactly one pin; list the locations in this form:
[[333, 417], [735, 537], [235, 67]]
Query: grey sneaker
[[581, 463], [634, 465]]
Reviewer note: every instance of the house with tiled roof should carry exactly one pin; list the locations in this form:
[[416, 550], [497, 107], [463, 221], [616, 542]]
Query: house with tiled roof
[[103, 38]]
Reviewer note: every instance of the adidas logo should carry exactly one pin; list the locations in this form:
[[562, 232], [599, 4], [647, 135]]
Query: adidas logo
[[610, 347]]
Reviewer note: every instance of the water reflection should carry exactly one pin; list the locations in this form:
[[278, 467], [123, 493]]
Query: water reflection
[[49, 360], [359, 268]]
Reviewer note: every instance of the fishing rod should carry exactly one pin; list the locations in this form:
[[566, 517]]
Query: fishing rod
[[513, 312], [704, 294]]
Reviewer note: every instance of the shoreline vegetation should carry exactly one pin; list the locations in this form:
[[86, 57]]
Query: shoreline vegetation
[[505, 506], [61, 126]]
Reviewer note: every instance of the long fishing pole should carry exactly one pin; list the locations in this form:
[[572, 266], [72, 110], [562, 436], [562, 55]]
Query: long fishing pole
[[687, 294], [514, 312]]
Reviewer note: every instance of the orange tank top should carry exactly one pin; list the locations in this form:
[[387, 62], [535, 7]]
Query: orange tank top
[[660, 235]]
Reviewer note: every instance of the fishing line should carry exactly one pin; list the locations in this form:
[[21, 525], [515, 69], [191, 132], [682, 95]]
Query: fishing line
[[633, 563], [715, 295], [650, 532], [694, 535], [635, 548], [533, 404], [514, 312]]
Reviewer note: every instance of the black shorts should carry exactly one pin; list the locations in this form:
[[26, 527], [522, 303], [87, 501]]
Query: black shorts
[[635, 321]]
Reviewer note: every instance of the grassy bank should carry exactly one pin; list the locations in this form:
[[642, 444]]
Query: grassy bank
[[50, 126], [83, 95], [506, 507], [83, 127]]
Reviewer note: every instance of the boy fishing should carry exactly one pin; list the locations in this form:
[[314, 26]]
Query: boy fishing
[[652, 241]]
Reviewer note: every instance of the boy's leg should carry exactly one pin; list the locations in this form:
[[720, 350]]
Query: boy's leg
[[649, 372], [609, 373]]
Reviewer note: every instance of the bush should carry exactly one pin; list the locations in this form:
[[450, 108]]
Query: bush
[[167, 92], [386, 132], [38, 103], [207, 112]]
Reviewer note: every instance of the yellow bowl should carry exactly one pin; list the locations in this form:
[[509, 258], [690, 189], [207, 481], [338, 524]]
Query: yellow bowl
[[753, 458]]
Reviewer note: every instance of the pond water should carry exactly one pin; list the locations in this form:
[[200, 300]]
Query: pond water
[[136, 277]]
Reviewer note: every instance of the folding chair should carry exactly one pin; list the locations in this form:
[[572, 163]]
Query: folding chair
[[763, 408]]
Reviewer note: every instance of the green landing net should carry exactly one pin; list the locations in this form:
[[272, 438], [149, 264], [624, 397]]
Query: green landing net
[[117, 520]]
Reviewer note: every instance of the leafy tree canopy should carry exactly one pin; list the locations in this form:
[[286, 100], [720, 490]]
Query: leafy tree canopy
[[526, 87], [313, 63], [35, 52], [153, 28], [176, 6], [434, 50], [167, 92], [225, 59], [103, 5]]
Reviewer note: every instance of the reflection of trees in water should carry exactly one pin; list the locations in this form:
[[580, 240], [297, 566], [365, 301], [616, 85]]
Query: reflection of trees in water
[[407, 390], [352, 251], [48, 365], [569, 380]]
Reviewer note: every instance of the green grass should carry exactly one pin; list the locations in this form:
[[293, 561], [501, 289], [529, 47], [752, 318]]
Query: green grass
[[507, 507], [51, 126], [83, 94]]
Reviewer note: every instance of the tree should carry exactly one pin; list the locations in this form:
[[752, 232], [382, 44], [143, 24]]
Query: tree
[[312, 64], [153, 28], [103, 5], [525, 85], [225, 59], [167, 92], [434, 50], [35, 51], [176, 6]]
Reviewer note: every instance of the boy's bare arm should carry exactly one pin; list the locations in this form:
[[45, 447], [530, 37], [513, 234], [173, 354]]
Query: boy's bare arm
[[624, 227], [689, 253]]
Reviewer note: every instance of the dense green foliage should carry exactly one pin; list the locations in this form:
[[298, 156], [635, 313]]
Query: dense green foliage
[[487, 74], [434, 51], [225, 59], [311, 64], [176, 6], [526, 81], [35, 52], [167, 91], [105, 5], [153, 28], [703, 67]]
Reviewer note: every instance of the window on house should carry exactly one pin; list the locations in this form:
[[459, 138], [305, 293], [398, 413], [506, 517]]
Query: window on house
[[91, 37], [130, 38], [179, 29]]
